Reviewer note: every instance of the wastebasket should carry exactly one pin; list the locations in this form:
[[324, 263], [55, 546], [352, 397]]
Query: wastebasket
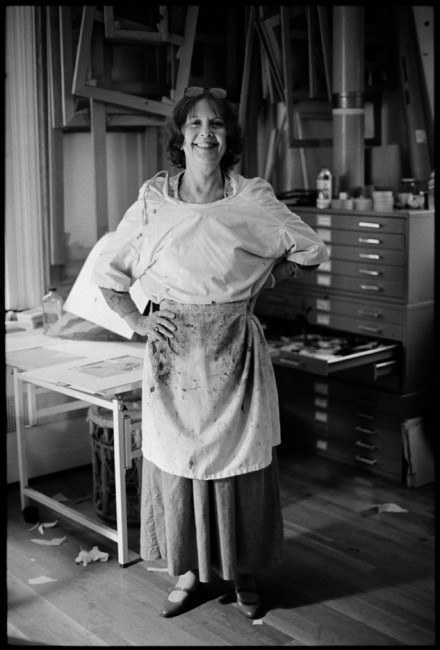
[[101, 435]]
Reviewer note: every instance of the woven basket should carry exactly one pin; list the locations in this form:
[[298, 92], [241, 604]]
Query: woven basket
[[101, 436]]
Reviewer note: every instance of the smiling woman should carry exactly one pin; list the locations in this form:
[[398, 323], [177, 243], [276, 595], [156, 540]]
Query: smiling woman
[[204, 146], [222, 109], [203, 244]]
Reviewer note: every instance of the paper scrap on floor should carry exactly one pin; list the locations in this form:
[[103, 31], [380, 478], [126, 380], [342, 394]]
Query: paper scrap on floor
[[42, 526], [59, 496], [94, 555], [56, 541], [389, 507], [383, 507], [41, 580]]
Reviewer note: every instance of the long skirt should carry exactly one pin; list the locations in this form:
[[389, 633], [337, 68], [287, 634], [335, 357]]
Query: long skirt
[[229, 525]]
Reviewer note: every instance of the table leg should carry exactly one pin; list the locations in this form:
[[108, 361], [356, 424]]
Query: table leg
[[21, 437], [120, 486], [31, 405]]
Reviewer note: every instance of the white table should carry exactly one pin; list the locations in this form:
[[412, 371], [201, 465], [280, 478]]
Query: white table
[[92, 372]]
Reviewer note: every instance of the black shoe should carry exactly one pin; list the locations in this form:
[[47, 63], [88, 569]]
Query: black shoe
[[249, 607], [170, 609]]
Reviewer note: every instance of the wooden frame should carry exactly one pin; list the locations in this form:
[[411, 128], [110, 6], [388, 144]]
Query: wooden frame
[[301, 117], [272, 54], [84, 87], [287, 70], [245, 80], [70, 78], [326, 47], [114, 32]]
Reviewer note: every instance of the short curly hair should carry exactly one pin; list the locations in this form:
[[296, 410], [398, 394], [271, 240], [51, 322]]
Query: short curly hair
[[173, 135]]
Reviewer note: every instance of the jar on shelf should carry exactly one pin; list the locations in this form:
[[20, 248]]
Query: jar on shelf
[[407, 191], [324, 189]]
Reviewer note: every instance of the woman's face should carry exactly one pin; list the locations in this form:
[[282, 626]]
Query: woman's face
[[204, 134]]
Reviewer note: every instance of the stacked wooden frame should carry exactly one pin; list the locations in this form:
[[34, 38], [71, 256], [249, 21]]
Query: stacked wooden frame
[[70, 80]]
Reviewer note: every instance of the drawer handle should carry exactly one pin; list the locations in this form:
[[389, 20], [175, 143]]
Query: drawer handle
[[291, 363], [370, 314], [370, 287], [368, 272], [366, 416], [367, 461], [368, 240], [368, 328], [369, 224], [369, 432], [359, 443], [369, 256], [384, 368]]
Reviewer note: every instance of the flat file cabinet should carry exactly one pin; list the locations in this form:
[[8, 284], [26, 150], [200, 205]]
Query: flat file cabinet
[[377, 287]]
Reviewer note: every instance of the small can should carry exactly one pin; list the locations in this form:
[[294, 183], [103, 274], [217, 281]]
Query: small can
[[324, 188]]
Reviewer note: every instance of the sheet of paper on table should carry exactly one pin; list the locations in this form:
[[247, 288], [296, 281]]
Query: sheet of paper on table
[[24, 340], [35, 351], [96, 375], [86, 300]]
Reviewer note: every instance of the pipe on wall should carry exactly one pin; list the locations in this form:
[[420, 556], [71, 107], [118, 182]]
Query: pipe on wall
[[348, 97]]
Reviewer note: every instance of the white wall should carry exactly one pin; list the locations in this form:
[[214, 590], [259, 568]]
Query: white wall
[[132, 158], [124, 173]]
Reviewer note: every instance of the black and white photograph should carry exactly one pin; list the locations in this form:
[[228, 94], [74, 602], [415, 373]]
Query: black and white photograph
[[220, 316]]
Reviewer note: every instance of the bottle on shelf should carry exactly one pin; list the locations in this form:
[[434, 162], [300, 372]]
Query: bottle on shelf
[[52, 308], [324, 189]]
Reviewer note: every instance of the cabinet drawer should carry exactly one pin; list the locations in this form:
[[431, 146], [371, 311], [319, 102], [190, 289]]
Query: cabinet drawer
[[366, 270], [335, 437], [367, 286], [367, 254], [368, 404], [340, 420], [371, 353], [284, 300], [380, 464], [365, 223], [372, 461], [382, 329], [370, 240], [384, 444], [372, 312], [380, 326]]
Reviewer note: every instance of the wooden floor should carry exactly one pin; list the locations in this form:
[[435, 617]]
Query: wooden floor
[[351, 576]]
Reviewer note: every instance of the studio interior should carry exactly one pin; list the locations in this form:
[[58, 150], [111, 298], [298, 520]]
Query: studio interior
[[336, 109]]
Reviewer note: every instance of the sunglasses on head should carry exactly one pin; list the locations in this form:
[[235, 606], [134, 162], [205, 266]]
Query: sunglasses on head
[[195, 91]]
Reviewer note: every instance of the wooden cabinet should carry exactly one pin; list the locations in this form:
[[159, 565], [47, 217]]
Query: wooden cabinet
[[379, 285]]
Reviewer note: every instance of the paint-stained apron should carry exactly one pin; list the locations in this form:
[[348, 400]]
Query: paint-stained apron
[[210, 403]]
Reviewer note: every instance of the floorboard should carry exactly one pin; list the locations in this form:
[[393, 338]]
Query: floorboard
[[351, 575]]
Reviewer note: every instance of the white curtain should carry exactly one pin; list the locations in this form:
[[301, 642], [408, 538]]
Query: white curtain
[[24, 228]]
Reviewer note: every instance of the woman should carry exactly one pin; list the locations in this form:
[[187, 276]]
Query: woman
[[203, 244]]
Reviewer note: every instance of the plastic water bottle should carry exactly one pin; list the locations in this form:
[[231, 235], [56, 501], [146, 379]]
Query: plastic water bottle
[[324, 188], [52, 308]]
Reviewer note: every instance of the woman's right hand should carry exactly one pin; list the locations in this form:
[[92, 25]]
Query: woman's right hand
[[157, 326]]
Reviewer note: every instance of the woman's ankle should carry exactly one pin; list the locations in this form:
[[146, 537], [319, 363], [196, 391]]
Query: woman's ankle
[[188, 579], [244, 580]]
